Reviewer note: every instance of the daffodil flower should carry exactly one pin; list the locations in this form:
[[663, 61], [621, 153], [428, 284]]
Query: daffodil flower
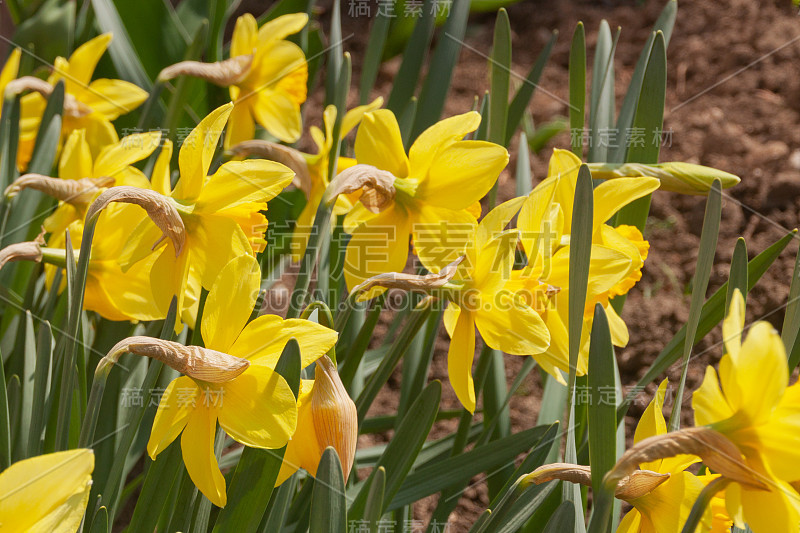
[[665, 508], [96, 103], [751, 403], [257, 408], [274, 86], [318, 172], [47, 493], [422, 195], [221, 213]]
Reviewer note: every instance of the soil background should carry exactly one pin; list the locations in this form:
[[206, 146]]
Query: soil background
[[733, 97]]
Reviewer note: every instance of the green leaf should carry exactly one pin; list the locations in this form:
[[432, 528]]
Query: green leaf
[[702, 273], [602, 104], [517, 507], [372, 57], [41, 390], [414, 55], [9, 136], [100, 522], [562, 520], [702, 502], [440, 69], [737, 279], [28, 375], [456, 471], [577, 89], [500, 67], [713, 312], [158, 481], [254, 479], [122, 51], [5, 424], [404, 447], [602, 419], [523, 178], [522, 98], [373, 508], [328, 505], [791, 321]]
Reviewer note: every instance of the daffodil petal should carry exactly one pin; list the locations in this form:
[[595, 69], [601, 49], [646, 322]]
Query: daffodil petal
[[245, 33], [439, 137], [611, 196], [84, 60], [283, 26], [112, 98], [197, 445], [161, 176], [213, 241], [76, 158], [278, 114], [379, 143], [112, 159], [239, 182], [241, 126], [496, 220], [512, 327], [230, 302], [494, 263], [732, 326], [258, 409], [708, 402], [441, 235], [194, 158], [262, 340], [174, 409], [459, 360]]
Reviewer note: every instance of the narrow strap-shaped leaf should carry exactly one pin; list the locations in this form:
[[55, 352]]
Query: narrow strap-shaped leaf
[[522, 177], [577, 89], [602, 419], [401, 451], [100, 523], [518, 105], [713, 311], [562, 520], [373, 508], [518, 506], [121, 50], [5, 425], [413, 57], [334, 57], [372, 57], [328, 504], [737, 278], [791, 321], [28, 377], [158, 481], [500, 67], [255, 475], [702, 273], [44, 356], [602, 105], [9, 138]]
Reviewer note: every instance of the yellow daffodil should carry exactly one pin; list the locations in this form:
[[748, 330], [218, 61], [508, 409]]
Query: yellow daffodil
[[665, 508], [257, 408], [326, 416], [751, 403], [274, 87], [318, 172], [9, 71], [47, 493], [94, 104], [221, 213], [420, 195]]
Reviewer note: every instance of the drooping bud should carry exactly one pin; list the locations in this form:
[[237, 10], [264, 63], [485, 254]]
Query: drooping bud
[[23, 251], [684, 178], [159, 208], [409, 282], [716, 451], [196, 362], [376, 186], [223, 73], [75, 192], [631, 487], [73, 108], [277, 152], [334, 414]]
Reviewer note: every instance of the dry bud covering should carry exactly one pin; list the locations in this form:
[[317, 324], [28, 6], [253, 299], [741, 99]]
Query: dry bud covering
[[224, 73], [194, 361], [716, 451], [410, 282], [277, 152], [72, 107], [76, 192], [635, 485], [23, 251], [334, 414], [377, 186], [158, 207]]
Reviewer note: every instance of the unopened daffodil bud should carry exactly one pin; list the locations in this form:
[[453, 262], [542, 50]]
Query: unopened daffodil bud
[[23, 251], [684, 178]]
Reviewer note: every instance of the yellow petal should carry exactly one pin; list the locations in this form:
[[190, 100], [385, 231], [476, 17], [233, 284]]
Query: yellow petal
[[112, 98], [278, 114], [243, 41], [733, 325], [177, 403], [496, 220], [652, 421], [160, 179], [778, 438], [10, 68], [241, 126], [264, 339], [379, 143], [283, 26], [84, 60], [631, 522], [239, 182], [439, 137], [462, 174], [441, 235], [196, 152], [611, 196], [459, 360], [494, 263], [709, 404], [112, 159], [511, 326], [617, 327], [213, 241], [230, 302], [775, 510], [76, 158], [303, 447], [606, 268], [100, 132], [46, 493], [378, 246], [258, 409], [354, 116], [563, 170], [197, 445]]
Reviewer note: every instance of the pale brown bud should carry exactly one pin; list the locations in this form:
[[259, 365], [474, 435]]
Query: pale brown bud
[[23, 251], [377, 186], [409, 282], [75, 192], [196, 362], [334, 414], [716, 451], [631, 487], [277, 152], [159, 208], [223, 73], [72, 107]]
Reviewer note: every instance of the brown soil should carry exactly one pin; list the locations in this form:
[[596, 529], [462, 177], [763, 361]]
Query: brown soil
[[732, 103]]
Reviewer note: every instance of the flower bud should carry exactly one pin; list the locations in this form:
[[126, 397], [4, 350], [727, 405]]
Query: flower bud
[[684, 178], [23, 251], [223, 73], [78, 192]]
